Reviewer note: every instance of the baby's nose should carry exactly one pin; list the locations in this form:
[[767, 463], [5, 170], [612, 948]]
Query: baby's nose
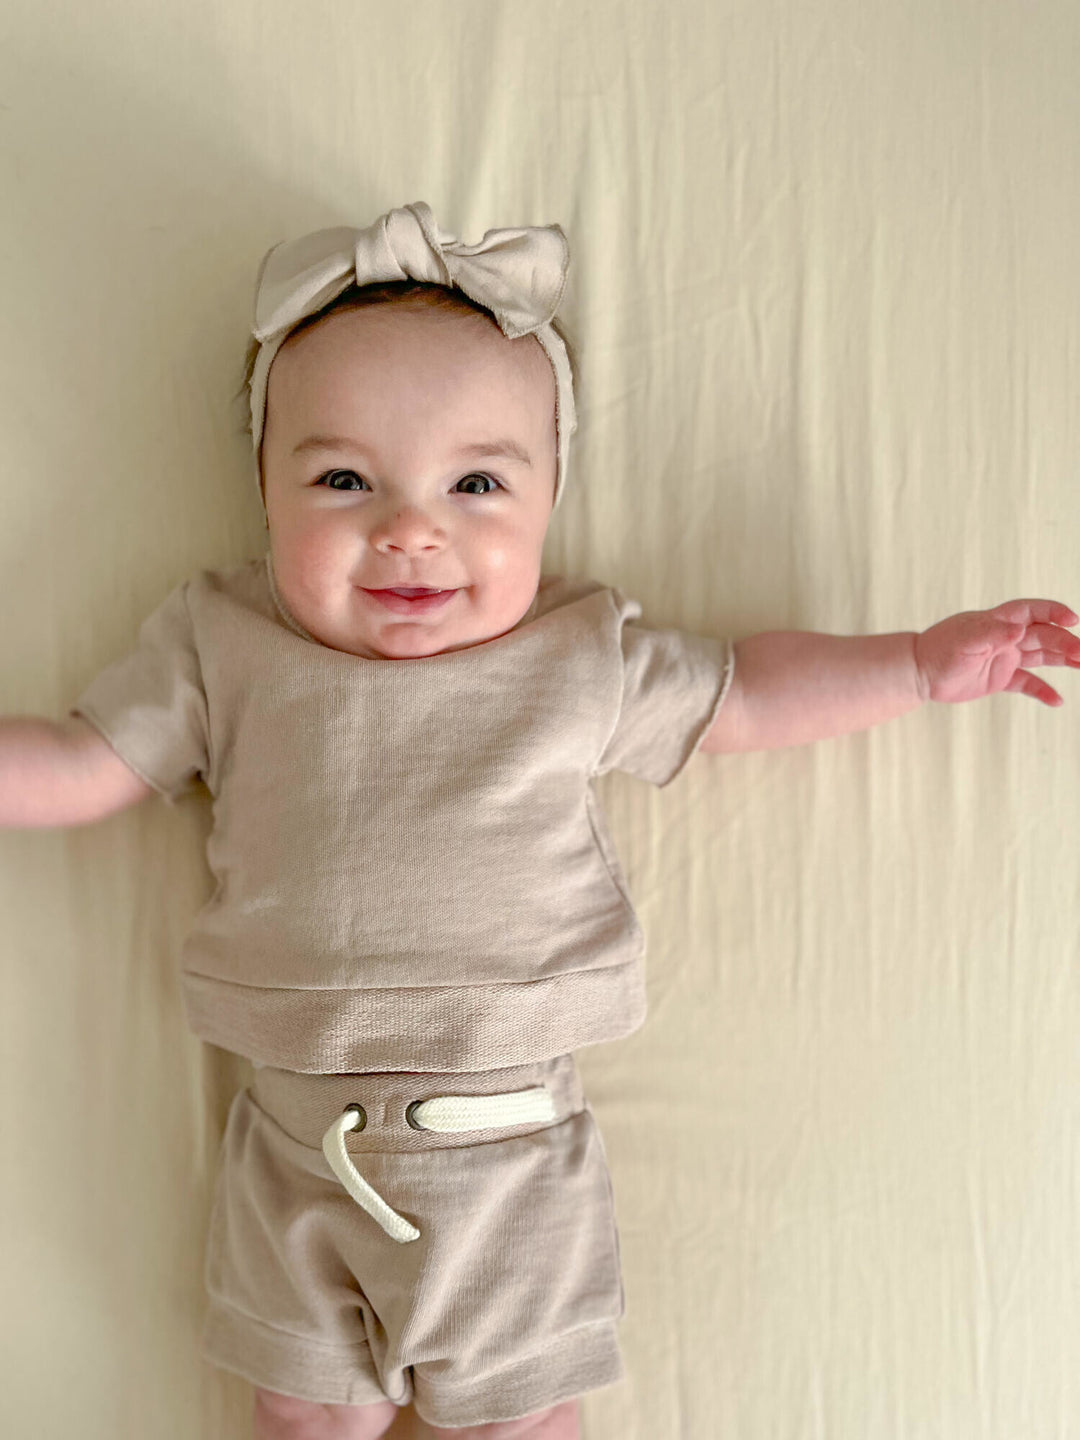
[[408, 529]]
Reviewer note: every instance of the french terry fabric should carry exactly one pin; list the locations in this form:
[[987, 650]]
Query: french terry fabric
[[413, 872]]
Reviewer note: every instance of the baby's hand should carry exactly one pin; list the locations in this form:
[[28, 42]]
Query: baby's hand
[[979, 652]]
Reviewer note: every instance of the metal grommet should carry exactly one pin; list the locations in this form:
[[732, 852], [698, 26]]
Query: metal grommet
[[415, 1124], [361, 1112]]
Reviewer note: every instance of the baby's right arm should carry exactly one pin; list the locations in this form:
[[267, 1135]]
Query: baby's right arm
[[61, 772]]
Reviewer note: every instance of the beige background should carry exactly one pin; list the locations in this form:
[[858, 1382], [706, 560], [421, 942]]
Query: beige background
[[825, 295]]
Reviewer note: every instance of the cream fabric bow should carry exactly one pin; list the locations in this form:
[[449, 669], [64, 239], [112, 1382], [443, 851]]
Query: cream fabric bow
[[518, 274]]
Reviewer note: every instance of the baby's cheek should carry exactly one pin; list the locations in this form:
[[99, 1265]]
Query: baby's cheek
[[506, 551], [321, 553]]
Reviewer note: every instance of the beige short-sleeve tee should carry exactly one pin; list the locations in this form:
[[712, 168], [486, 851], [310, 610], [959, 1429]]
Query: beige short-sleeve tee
[[413, 871]]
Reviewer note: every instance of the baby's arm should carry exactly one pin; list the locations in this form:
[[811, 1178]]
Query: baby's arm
[[56, 773], [795, 686]]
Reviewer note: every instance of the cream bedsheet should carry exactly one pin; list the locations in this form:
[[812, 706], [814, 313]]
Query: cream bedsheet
[[825, 295]]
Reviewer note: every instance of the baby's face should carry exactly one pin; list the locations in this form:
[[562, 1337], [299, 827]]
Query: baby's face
[[376, 476]]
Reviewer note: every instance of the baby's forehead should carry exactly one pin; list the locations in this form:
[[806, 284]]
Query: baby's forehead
[[408, 321], [401, 339]]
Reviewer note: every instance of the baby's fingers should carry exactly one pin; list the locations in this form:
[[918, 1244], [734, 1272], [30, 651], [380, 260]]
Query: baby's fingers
[[1026, 684], [1048, 645], [1028, 611]]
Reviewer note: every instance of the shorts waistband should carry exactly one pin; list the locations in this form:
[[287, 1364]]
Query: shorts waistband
[[304, 1104]]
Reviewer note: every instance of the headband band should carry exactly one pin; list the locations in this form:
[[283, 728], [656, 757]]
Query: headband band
[[519, 275]]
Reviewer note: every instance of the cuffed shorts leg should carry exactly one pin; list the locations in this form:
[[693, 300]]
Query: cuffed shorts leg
[[507, 1303]]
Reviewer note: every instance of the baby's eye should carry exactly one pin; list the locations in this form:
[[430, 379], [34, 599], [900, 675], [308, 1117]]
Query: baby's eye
[[490, 478], [330, 475]]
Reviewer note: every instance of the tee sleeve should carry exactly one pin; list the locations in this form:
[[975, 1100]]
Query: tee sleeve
[[151, 705], [673, 685]]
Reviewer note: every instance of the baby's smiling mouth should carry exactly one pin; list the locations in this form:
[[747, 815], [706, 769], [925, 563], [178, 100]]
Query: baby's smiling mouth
[[411, 590], [418, 598]]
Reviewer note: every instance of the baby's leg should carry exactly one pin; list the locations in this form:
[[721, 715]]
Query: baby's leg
[[558, 1423], [283, 1417]]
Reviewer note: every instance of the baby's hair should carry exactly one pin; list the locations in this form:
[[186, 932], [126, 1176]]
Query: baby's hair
[[438, 297]]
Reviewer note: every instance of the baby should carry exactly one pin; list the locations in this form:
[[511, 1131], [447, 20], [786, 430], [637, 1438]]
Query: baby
[[419, 914]]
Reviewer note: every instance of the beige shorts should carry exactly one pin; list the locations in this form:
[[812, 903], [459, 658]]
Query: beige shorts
[[504, 1304]]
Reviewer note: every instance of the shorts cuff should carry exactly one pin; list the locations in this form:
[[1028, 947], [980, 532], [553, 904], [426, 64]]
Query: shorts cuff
[[275, 1360], [588, 1358]]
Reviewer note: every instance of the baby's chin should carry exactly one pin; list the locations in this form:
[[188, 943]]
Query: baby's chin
[[404, 641]]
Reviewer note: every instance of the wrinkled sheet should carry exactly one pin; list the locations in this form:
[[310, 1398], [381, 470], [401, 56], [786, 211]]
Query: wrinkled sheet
[[824, 296]]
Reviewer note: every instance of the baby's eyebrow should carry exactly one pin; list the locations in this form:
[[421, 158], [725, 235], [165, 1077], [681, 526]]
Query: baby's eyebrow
[[495, 450], [479, 450]]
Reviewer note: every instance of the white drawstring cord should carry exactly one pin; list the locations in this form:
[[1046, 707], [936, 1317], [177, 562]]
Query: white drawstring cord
[[333, 1146], [446, 1114]]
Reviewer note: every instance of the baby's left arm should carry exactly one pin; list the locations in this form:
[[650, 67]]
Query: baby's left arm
[[794, 686]]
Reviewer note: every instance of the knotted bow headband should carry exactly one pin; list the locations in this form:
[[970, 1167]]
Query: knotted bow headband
[[519, 275]]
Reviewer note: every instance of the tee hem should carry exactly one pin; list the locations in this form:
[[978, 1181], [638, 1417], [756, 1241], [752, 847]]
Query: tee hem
[[423, 1028]]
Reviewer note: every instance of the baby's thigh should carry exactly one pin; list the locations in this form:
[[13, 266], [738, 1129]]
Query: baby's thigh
[[558, 1423], [285, 1417]]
